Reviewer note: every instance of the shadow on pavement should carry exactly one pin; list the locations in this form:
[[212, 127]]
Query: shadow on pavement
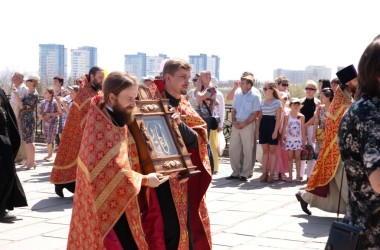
[[53, 204], [37, 177], [315, 225]]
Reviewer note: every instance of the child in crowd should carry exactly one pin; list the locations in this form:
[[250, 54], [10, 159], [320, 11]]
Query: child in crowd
[[294, 137], [48, 113]]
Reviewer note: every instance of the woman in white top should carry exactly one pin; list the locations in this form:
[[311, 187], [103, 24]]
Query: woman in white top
[[269, 124]]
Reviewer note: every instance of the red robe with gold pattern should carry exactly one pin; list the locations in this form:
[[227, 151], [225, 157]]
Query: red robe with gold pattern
[[329, 156], [65, 163], [196, 185], [108, 184]]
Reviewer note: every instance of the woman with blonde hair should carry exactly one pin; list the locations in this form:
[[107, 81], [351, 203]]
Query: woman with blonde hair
[[269, 125], [28, 105], [309, 105]]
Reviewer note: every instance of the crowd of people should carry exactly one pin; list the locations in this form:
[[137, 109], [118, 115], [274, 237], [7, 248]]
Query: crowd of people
[[331, 135]]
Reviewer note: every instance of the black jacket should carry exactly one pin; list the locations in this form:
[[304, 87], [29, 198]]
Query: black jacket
[[11, 191]]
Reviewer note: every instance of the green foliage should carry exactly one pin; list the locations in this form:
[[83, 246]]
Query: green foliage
[[297, 90]]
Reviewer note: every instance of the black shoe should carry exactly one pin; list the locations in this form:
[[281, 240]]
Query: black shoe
[[59, 191], [303, 204], [242, 178], [231, 177], [7, 217]]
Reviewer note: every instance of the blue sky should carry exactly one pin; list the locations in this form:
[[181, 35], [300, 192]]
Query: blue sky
[[257, 36]]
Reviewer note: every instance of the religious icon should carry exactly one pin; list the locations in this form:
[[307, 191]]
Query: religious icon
[[160, 136]]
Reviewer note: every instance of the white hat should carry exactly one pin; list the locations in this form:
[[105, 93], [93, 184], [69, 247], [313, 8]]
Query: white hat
[[295, 100], [148, 77], [33, 77]]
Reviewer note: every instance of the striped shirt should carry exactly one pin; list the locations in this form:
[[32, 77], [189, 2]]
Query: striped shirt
[[270, 109]]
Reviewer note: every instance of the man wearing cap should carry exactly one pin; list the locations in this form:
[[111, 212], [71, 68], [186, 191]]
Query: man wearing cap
[[324, 183], [230, 96], [11, 192], [22, 90], [65, 165], [246, 107]]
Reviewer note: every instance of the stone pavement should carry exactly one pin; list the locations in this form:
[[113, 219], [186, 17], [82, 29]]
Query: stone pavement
[[249, 215]]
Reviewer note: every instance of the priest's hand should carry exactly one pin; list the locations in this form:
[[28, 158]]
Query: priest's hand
[[177, 117], [155, 179]]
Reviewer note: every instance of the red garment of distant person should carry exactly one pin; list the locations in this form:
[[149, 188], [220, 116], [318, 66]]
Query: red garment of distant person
[[329, 156], [65, 163]]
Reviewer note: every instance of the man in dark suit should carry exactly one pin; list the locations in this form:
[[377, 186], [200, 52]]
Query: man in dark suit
[[11, 192]]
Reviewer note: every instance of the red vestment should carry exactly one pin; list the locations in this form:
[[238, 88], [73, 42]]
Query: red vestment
[[108, 184], [65, 163], [329, 156], [196, 185]]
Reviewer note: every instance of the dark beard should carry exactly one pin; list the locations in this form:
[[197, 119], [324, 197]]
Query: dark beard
[[96, 86], [123, 116]]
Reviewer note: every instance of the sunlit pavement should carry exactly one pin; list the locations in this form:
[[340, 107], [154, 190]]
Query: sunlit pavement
[[244, 215]]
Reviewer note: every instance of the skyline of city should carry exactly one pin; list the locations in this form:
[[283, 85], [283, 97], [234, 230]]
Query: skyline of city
[[53, 61], [256, 36]]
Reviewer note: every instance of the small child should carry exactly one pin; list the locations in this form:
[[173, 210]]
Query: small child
[[294, 137], [48, 112]]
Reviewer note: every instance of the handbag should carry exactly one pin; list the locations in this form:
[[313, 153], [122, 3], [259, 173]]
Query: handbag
[[320, 133], [307, 153], [344, 236], [212, 121]]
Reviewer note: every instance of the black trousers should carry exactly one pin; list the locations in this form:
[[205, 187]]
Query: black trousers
[[124, 234], [169, 216], [69, 186]]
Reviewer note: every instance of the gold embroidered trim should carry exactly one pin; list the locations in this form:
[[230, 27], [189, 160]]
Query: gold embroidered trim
[[340, 110], [70, 165], [106, 192]]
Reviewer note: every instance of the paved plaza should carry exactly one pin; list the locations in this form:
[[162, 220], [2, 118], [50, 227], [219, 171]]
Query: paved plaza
[[249, 215]]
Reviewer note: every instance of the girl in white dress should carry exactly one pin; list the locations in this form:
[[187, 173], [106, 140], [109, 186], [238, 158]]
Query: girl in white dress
[[293, 137]]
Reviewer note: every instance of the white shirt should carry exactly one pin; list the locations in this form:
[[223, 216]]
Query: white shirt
[[245, 105], [219, 110]]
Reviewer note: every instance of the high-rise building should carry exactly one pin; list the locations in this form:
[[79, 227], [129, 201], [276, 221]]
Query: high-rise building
[[135, 64], [203, 62], [141, 65], [153, 64], [82, 60], [301, 76], [52, 62]]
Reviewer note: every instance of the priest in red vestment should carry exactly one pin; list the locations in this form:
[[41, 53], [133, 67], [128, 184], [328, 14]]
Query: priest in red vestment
[[65, 164], [114, 205], [184, 212]]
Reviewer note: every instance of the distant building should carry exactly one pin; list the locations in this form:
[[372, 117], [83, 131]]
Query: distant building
[[203, 62], [141, 65], [52, 62], [82, 60], [135, 64], [301, 76], [153, 64]]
